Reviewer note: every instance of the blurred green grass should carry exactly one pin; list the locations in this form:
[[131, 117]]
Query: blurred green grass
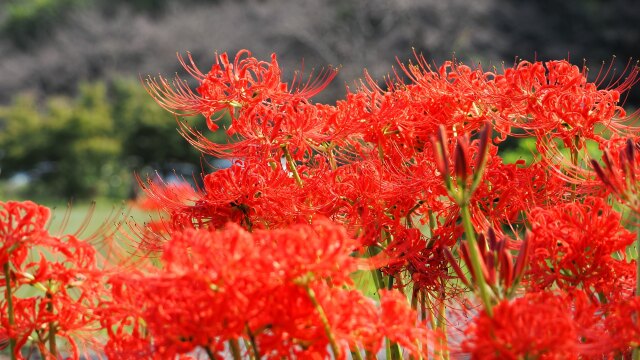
[[90, 219], [85, 218]]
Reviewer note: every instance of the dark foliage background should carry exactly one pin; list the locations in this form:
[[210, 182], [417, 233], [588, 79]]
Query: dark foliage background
[[50, 47]]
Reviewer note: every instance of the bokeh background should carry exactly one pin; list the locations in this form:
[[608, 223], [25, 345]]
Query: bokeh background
[[76, 122]]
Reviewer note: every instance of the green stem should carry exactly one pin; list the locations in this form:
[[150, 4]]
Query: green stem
[[291, 164], [574, 162], [376, 274], [423, 306], [475, 257], [324, 320], [9, 298], [414, 298], [432, 222], [411, 211], [396, 352], [390, 283], [253, 354], [427, 306], [332, 159], [442, 325], [235, 349], [53, 349], [355, 354]]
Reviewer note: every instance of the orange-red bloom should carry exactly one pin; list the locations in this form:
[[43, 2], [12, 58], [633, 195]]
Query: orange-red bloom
[[573, 246], [537, 325], [22, 224]]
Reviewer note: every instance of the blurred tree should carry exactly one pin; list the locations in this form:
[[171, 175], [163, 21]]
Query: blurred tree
[[67, 149], [86, 145], [149, 133], [28, 20], [16, 153], [92, 145]]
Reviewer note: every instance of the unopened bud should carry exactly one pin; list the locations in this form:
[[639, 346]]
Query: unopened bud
[[461, 163]]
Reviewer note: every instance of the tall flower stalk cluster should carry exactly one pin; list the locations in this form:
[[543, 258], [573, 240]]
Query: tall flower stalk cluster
[[403, 185]]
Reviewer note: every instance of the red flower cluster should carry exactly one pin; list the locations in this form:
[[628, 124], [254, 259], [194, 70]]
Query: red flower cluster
[[60, 277], [538, 326], [400, 169], [405, 183], [279, 290], [556, 99], [22, 224], [573, 246]]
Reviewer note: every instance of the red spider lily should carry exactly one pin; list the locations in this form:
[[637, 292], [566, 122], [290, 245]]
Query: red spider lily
[[573, 243], [449, 96], [556, 99], [171, 203], [538, 325], [622, 323], [252, 194], [53, 286], [68, 284], [619, 173], [22, 224], [422, 260], [162, 196], [225, 296], [509, 190], [243, 83], [398, 324], [252, 286], [249, 193], [363, 197], [356, 323], [258, 260], [399, 121], [127, 340], [270, 131], [266, 114]]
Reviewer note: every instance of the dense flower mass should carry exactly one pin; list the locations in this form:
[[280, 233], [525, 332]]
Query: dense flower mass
[[538, 325], [268, 287], [59, 276], [574, 245], [390, 222]]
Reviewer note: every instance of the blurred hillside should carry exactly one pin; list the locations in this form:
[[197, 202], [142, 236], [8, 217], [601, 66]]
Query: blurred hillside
[[50, 45], [75, 121]]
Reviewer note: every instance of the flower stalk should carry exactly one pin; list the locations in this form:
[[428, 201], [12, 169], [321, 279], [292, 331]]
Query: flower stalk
[[10, 310], [462, 190], [291, 164], [481, 282], [325, 321], [235, 349], [51, 337]]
